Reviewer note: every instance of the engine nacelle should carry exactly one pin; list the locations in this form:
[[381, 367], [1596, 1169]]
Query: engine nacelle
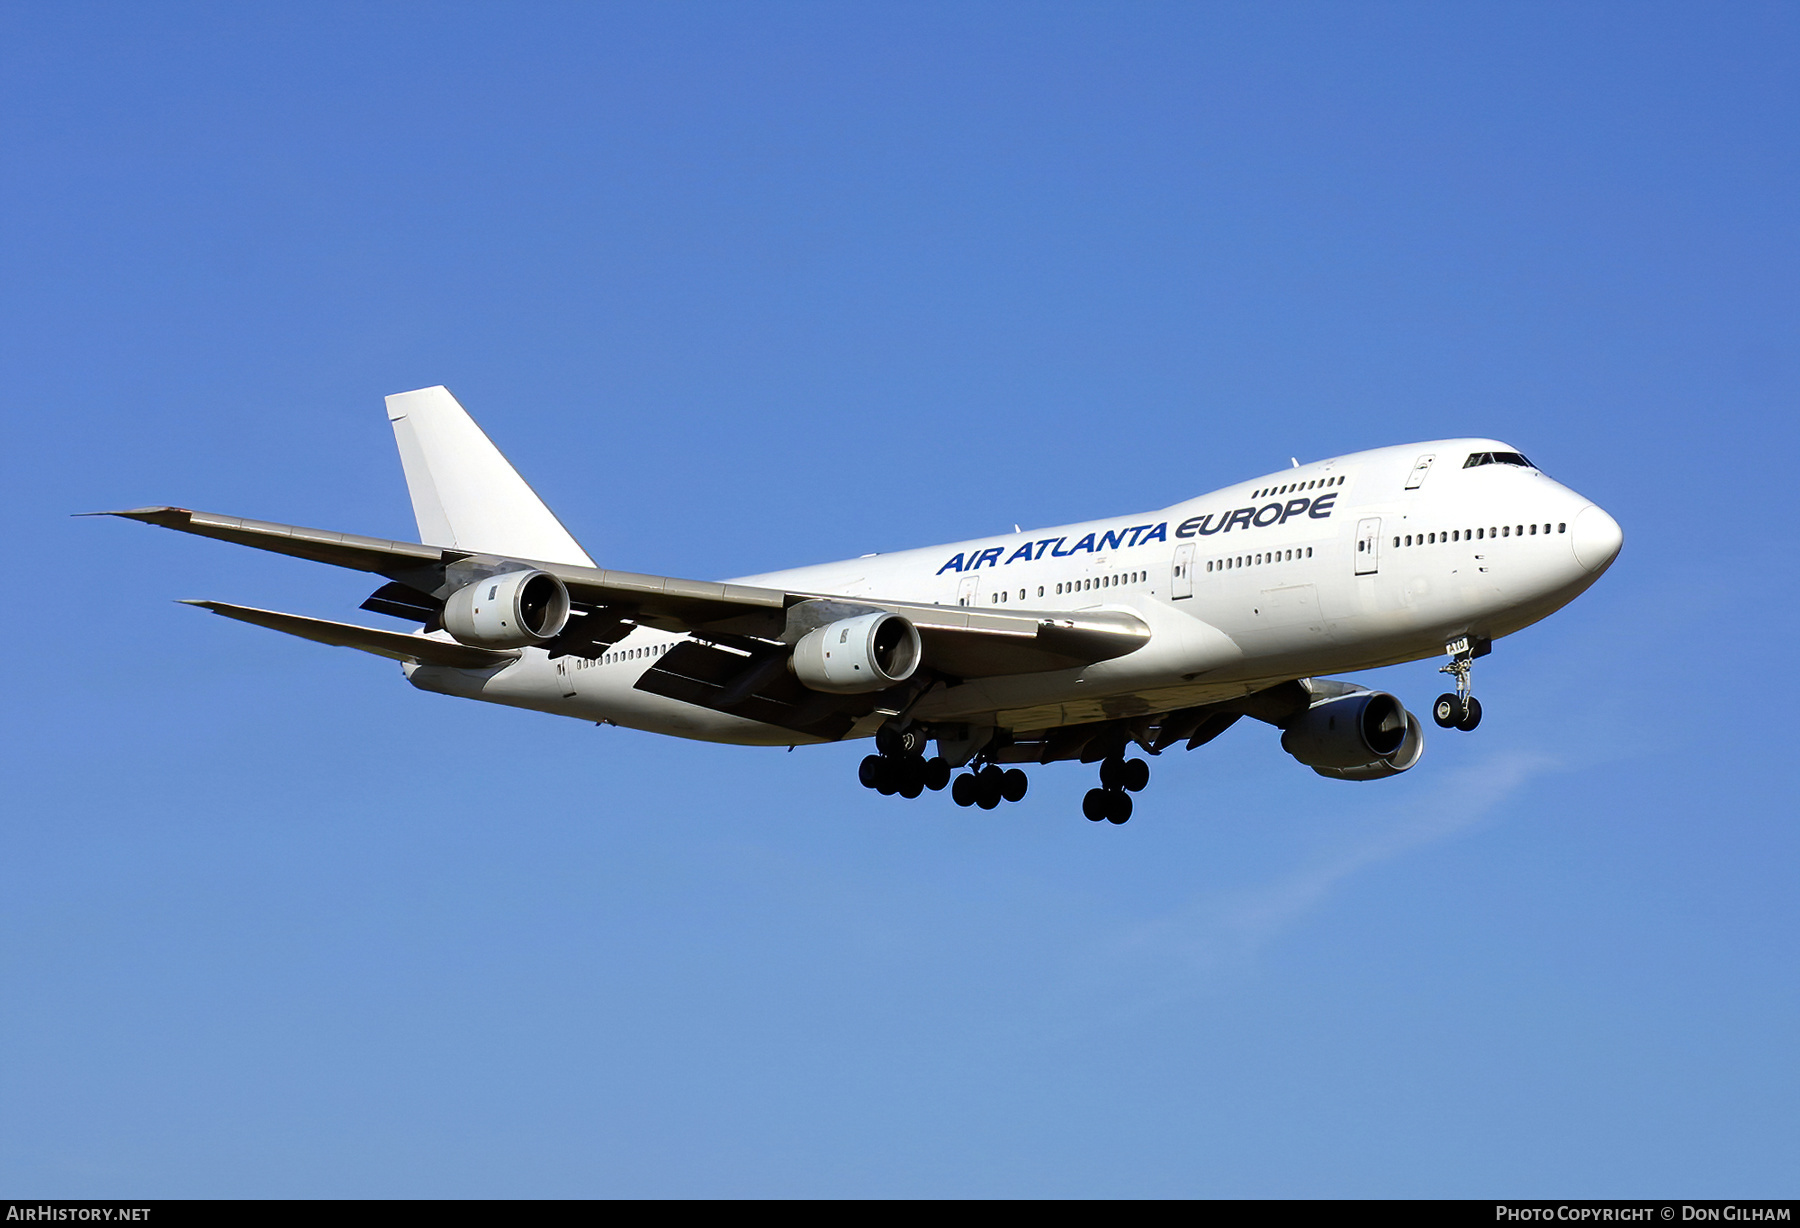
[[1363, 736], [514, 610], [870, 652]]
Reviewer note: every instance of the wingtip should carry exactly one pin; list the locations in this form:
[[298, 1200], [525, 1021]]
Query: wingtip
[[138, 513]]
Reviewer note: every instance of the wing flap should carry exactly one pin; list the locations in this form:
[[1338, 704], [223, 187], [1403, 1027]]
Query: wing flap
[[757, 687]]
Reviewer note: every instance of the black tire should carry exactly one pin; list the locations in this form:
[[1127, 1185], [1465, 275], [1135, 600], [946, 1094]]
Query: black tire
[[1109, 772], [937, 774], [1119, 808], [870, 771], [963, 791], [887, 776], [1446, 711], [887, 741], [1472, 717], [912, 776], [1135, 775], [987, 792], [1013, 784], [1096, 804]]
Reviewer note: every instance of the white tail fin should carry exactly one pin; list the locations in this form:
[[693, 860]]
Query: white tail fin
[[465, 494]]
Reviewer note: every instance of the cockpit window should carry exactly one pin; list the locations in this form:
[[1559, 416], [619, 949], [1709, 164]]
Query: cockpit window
[[1497, 458]]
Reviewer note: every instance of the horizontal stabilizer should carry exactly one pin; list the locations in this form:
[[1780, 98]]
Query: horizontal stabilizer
[[396, 645]]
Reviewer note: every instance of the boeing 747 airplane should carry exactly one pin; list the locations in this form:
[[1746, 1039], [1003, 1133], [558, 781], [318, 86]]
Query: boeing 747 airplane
[[1082, 641]]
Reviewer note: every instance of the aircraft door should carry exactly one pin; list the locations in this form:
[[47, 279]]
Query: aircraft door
[[1181, 583], [968, 590], [565, 674], [1368, 546], [1420, 470]]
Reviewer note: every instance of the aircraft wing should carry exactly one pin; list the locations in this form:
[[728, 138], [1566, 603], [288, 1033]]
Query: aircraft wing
[[395, 645], [960, 642], [684, 602]]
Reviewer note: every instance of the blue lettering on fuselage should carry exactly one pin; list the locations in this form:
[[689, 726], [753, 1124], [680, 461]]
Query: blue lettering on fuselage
[[1143, 534]]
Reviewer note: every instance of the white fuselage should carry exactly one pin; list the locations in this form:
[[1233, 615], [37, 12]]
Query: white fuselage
[[1345, 564]]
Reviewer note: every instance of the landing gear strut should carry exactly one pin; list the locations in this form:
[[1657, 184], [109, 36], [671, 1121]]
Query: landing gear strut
[[1119, 778], [1461, 710]]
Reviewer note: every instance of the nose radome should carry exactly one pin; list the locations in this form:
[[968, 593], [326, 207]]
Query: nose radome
[[1596, 539]]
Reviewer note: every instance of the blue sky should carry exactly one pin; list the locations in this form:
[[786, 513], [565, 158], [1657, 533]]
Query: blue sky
[[748, 286]]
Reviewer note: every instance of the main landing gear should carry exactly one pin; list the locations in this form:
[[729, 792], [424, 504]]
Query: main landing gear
[[910, 774], [1119, 779], [901, 766], [1460, 710], [989, 787]]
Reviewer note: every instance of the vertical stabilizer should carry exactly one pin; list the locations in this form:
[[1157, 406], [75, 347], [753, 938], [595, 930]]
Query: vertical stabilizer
[[465, 494]]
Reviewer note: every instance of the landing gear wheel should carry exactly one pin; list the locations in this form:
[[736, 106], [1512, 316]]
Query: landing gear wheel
[[912, 776], [1472, 717], [963, 791], [1134, 775], [937, 774], [1110, 773], [990, 787], [869, 772], [1446, 711], [1096, 804], [1013, 784], [1118, 808]]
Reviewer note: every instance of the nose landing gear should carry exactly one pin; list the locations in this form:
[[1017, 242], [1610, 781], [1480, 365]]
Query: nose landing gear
[[1460, 710]]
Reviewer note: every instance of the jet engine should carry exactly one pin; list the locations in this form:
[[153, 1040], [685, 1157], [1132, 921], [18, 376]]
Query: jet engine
[[1362, 736], [870, 652], [514, 610]]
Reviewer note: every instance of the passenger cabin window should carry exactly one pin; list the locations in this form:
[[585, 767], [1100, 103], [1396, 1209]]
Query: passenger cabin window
[[1477, 459]]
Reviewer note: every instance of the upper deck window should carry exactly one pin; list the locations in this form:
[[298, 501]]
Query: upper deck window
[[1497, 458]]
